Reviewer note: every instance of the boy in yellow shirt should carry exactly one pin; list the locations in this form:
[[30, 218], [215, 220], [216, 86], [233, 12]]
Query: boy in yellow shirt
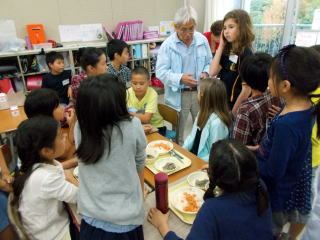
[[142, 100]]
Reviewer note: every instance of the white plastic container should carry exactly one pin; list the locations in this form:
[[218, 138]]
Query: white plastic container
[[14, 111], [3, 97]]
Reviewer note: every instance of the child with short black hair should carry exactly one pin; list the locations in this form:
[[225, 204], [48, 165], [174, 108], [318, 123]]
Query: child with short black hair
[[143, 100], [236, 204], [45, 102], [58, 79], [250, 123], [118, 53], [213, 36], [41, 185]]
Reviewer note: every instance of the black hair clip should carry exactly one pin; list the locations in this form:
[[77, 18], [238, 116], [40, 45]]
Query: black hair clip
[[282, 54], [286, 48]]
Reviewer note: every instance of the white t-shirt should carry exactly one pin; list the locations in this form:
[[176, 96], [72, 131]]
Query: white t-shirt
[[41, 208]]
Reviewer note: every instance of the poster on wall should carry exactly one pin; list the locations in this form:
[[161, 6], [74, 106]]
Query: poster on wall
[[81, 33], [306, 38], [166, 28]]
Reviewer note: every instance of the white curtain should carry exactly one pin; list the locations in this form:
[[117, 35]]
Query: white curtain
[[216, 9]]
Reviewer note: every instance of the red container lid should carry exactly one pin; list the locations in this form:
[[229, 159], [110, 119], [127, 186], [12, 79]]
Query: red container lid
[[161, 177]]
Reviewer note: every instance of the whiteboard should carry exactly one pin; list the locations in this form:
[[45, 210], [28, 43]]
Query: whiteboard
[[81, 33]]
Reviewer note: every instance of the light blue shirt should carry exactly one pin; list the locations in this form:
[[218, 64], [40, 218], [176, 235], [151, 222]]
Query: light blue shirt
[[213, 131], [188, 62], [175, 58], [109, 227]]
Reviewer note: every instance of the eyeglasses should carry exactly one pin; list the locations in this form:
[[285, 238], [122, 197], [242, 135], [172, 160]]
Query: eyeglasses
[[189, 29]]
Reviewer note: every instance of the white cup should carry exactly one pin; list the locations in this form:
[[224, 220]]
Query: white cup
[[3, 97], [14, 111]]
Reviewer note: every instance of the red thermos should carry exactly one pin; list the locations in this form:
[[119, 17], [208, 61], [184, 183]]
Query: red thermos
[[161, 184]]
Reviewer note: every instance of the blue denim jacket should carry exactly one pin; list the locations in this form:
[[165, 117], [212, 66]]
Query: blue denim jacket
[[169, 66]]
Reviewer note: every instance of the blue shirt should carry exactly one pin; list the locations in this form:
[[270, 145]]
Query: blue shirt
[[171, 65], [230, 216], [109, 227], [188, 61], [284, 159]]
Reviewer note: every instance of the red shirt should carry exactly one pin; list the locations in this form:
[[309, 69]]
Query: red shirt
[[208, 36]]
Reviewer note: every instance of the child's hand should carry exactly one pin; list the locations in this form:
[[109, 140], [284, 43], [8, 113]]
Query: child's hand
[[7, 178], [69, 92], [205, 167], [146, 191], [253, 148], [4, 186], [159, 220], [147, 128], [273, 110], [204, 75], [71, 117], [68, 174], [222, 42]]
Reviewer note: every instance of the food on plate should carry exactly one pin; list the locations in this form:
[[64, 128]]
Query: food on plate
[[192, 204], [201, 183], [169, 166], [162, 145]]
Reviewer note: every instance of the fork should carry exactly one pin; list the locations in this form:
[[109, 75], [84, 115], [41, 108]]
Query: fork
[[173, 154]]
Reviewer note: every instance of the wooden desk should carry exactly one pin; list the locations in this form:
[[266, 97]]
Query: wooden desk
[[196, 162], [9, 123]]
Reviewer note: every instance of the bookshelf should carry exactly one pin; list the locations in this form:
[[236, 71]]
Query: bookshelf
[[71, 62]]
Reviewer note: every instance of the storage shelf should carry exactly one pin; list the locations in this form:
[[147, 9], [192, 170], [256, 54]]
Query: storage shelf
[[71, 49], [33, 73]]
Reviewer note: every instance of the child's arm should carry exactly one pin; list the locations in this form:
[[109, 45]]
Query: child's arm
[[144, 118], [4, 169], [69, 92], [245, 93], [70, 178], [56, 186], [241, 129], [141, 177], [4, 186], [150, 109], [70, 163], [71, 120], [215, 64], [284, 145]]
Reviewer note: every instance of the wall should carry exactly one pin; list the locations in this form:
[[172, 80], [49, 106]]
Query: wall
[[52, 13]]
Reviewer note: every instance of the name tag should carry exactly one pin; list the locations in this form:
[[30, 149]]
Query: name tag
[[233, 58], [65, 82]]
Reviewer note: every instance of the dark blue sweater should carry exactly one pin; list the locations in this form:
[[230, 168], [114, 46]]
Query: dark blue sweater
[[229, 217], [284, 159]]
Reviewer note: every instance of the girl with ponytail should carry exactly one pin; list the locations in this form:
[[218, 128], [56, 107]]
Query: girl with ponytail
[[41, 185], [236, 203], [284, 156]]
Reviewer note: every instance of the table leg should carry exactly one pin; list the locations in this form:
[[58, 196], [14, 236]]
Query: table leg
[[13, 162]]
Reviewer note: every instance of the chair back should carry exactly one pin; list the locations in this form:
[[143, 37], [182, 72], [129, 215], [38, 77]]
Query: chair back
[[15, 220]]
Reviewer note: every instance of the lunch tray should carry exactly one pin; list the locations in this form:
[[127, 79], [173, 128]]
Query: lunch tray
[[186, 218], [186, 163]]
